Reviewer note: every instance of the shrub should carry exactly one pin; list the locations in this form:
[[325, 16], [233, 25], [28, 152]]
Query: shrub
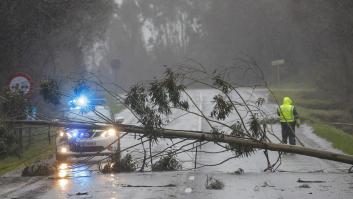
[[213, 183], [167, 163], [126, 164]]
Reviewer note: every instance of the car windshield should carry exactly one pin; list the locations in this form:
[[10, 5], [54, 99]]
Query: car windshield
[[100, 114]]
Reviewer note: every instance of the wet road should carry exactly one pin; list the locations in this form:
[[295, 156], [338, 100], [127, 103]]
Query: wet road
[[254, 183]]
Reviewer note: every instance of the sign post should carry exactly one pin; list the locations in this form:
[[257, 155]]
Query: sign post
[[277, 63]]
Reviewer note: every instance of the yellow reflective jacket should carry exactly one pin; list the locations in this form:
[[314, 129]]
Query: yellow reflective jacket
[[286, 111]]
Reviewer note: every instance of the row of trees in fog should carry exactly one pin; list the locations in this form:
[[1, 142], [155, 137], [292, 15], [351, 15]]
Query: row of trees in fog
[[49, 38], [313, 37], [327, 32], [52, 37]]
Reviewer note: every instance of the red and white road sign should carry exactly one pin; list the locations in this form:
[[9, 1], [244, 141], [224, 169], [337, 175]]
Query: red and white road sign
[[20, 81]]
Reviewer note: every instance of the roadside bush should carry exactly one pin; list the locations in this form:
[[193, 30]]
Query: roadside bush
[[213, 183], [167, 163], [50, 91], [16, 105], [126, 164], [38, 169], [8, 145]]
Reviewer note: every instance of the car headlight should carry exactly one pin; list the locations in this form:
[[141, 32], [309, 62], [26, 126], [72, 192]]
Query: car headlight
[[63, 150], [108, 133], [62, 173], [63, 166], [61, 133]]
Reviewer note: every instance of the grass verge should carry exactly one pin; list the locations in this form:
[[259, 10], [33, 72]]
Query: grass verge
[[33, 154], [39, 149], [337, 137]]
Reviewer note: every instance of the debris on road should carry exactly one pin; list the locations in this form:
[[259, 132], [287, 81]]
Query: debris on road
[[81, 193], [314, 171], [168, 185], [266, 184], [306, 186], [310, 181], [213, 183], [188, 190], [240, 171], [38, 169]]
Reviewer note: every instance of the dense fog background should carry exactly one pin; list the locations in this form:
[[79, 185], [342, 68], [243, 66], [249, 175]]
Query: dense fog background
[[127, 41]]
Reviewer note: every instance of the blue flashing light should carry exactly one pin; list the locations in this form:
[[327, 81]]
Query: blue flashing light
[[74, 133], [81, 101]]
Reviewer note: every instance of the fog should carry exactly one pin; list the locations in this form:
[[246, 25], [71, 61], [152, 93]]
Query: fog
[[145, 35], [48, 39]]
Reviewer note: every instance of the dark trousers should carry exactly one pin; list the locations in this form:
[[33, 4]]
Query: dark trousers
[[288, 132]]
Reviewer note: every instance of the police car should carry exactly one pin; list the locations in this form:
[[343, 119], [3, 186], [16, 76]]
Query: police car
[[76, 142]]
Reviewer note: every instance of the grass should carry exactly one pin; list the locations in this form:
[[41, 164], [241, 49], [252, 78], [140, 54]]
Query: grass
[[31, 155], [319, 112], [339, 138], [38, 150]]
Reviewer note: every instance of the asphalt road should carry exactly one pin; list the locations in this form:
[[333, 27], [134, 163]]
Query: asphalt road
[[254, 183]]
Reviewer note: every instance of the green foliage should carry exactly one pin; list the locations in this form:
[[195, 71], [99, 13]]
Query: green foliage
[[222, 108], [224, 86], [50, 91], [39, 151], [125, 164], [8, 144], [167, 92], [151, 101], [167, 163], [137, 99], [16, 105], [138, 102], [217, 134], [337, 137], [255, 127], [240, 149]]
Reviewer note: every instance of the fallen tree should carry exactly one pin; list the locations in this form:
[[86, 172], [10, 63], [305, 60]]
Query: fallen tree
[[202, 136], [234, 123]]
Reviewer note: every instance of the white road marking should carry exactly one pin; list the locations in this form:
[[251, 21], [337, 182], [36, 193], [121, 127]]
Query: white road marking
[[191, 177]]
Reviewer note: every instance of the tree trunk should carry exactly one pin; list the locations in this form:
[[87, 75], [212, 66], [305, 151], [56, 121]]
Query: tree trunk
[[205, 136]]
